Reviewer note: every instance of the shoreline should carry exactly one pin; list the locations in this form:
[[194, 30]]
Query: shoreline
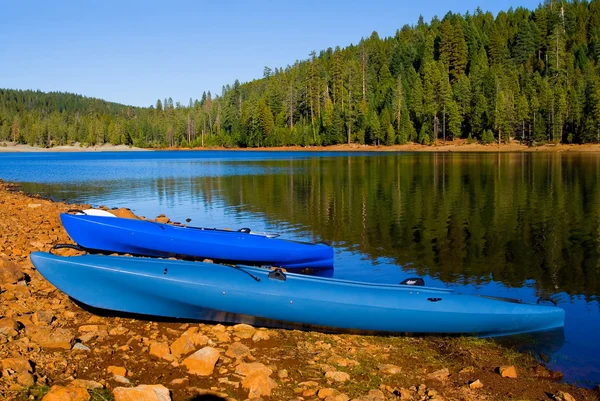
[[49, 340], [440, 146]]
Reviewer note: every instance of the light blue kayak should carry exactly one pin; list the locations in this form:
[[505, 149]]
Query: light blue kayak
[[213, 292], [147, 238]]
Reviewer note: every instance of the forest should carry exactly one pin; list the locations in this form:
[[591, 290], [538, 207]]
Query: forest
[[523, 75]]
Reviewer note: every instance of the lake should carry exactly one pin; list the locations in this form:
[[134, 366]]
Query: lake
[[520, 225]]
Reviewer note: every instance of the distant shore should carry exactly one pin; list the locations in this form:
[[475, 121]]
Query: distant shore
[[439, 146], [21, 148]]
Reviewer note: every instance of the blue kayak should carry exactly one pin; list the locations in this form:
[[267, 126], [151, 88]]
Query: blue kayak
[[147, 238], [179, 289]]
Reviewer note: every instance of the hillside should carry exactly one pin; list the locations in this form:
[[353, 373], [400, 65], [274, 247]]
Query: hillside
[[526, 75]]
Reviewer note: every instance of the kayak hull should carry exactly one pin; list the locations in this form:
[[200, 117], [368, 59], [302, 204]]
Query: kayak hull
[[213, 292], [146, 238]]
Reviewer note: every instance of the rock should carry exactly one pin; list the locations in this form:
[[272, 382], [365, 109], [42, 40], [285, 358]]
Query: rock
[[309, 392], [143, 392], [341, 361], [68, 393], [344, 397], [237, 350], [246, 369], [92, 328], [475, 384], [81, 347], [9, 327], [10, 272], [88, 384], [542, 372], [260, 335], [562, 396], [327, 392], [34, 205], [116, 370], [42, 318], [53, 339], [202, 362], [182, 346], [244, 331], [441, 374], [25, 379], [258, 385], [256, 379], [17, 365], [161, 350], [124, 212], [508, 371], [162, 219], [466, 370], [389, 369], [373, 395], [184, 381], [121, 379], [282, 374], [404, 394], [336, 376]]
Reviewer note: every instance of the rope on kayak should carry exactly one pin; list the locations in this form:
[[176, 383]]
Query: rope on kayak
[[67, 246], [257, 279], [75, 211]]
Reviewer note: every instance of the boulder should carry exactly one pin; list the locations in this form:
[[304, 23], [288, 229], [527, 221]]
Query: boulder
[[54, 339], [441, 374], [246, 369], [124, 213], [42, 318], [116, 370], [336, 376], [182, 346], [17, 365], [475, 384], [160, 350], [68, 393], [562, 396], [508, 371], [88, 384], [156, 392], [10, 272], [237, 350], [9, 327], [244, 331], [389, 369], [202, 362]]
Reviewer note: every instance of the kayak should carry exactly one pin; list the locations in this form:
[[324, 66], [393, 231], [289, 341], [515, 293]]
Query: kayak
[[245, 294], [148, 238]]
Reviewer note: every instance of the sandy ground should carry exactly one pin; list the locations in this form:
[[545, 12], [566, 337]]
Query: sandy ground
[[460, 145], [12, 147], [440, 146]]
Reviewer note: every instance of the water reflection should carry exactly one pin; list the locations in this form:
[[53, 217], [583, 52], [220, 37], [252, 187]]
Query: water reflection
[[518, 219]]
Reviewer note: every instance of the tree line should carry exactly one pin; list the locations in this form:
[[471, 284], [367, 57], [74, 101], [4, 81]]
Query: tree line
[[527, 75]]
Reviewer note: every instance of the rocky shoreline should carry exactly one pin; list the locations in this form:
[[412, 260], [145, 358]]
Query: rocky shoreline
[[54, 349]]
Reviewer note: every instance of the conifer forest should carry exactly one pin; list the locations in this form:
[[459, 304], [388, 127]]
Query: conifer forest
[[526, 75]]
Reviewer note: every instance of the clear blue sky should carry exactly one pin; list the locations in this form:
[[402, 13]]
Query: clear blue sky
[[135, 52]]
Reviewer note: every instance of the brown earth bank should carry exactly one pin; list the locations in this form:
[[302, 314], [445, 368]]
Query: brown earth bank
[[458, 145], [53, 349]]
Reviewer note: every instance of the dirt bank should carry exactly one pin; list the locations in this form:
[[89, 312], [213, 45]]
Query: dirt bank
[[50, 344], [459, 145]]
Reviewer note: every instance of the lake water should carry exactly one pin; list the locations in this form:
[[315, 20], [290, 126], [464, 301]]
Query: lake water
[[517, 225]]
